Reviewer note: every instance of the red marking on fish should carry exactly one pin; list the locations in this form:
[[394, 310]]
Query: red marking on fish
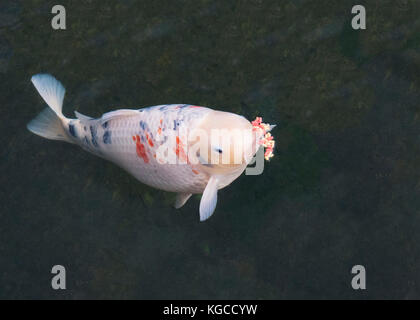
[[179, 150], [194, 171], [149, 140], [140, 149], [159, 130], [195, 107]]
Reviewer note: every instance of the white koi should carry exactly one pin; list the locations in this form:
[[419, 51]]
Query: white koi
[[141, 142]]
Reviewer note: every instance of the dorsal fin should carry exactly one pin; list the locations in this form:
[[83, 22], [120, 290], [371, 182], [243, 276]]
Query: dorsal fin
[[117, 114], [82, 117]]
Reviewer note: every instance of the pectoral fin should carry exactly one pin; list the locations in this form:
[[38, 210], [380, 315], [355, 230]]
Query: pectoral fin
[[181, 199], [209, 199]]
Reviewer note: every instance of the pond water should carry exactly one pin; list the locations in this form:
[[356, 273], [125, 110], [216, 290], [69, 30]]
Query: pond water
[[341, 190]]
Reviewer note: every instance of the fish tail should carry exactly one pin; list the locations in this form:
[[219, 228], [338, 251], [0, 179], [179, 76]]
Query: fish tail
[[50, 122]]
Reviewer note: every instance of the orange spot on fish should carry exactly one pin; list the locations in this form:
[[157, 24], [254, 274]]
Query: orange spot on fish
[[140, 149], [150, 141], [194, 171], [179, 150], [159, 130], [195, 107]]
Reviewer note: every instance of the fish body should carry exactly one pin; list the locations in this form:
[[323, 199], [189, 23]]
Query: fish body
[[153, 144], [131, 138]]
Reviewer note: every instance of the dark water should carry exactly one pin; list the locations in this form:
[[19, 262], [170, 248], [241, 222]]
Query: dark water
[[342, 189]]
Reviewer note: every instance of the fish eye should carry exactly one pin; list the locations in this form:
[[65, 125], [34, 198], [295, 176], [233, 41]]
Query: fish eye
[[218, 150]]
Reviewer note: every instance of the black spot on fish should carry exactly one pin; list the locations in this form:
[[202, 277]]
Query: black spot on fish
[[176, 124], [107, 137], [72, 130], [143, 125], [218, 150], [165, 138], [86, 141], [93, 134], [105, 125]]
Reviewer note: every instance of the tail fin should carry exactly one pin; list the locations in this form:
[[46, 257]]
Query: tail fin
[[49, 123]]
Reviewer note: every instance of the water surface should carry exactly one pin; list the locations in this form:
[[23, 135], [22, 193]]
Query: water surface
[[342, 189]]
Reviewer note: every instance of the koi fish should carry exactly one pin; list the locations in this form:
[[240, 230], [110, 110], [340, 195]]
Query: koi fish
[[154, 144]]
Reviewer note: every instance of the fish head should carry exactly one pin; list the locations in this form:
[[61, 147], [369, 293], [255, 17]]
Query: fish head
[[224, 143]]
